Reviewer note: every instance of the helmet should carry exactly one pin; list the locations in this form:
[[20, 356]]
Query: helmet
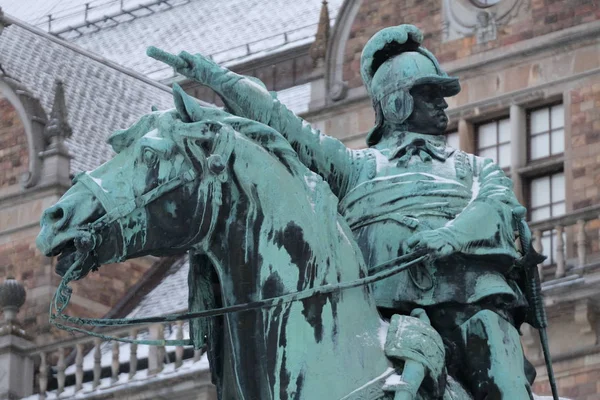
[[392, 63]]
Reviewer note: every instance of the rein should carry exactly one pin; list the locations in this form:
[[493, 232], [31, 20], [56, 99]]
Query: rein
[[63, 295]]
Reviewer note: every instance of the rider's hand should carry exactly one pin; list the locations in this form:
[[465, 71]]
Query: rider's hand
[[200, 68], [197, 67], [440, 242]]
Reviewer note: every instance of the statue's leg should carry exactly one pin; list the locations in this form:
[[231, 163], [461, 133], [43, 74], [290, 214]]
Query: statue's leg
[[494, 363]]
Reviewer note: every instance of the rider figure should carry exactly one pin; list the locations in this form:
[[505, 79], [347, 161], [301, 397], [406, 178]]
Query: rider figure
[[409, 190]]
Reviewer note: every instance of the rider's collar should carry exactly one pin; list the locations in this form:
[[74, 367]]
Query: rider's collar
[[433, 145]]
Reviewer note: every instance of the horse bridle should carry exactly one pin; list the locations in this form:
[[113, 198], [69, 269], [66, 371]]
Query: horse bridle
[[215, 166], [212, 182]]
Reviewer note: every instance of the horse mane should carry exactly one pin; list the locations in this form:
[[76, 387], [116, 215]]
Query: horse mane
[[270, 140]]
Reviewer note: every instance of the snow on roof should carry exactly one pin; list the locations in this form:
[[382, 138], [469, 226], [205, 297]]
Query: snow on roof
[[101, 97], [170, 296], [230, 31], [296, 98]]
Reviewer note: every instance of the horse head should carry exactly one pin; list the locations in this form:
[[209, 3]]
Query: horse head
[[159, 195]]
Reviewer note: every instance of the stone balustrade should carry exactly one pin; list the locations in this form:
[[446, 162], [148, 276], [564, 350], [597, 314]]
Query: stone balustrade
[[572, 235], [84, 365]]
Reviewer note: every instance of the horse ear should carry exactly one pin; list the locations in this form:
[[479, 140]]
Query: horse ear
[[188, 108]]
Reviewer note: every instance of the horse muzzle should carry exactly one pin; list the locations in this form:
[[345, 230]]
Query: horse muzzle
[[64, 230]]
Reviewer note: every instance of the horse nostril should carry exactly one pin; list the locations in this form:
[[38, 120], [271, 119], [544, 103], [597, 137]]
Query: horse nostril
[[56, 216]]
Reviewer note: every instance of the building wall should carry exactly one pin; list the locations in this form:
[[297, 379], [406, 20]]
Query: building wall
[[535, 18], [13, 145]]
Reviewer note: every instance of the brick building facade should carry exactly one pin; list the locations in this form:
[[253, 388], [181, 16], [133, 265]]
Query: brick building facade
[[530, 99]]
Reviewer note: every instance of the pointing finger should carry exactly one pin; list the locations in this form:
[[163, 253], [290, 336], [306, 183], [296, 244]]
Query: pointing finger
[[167, 58]]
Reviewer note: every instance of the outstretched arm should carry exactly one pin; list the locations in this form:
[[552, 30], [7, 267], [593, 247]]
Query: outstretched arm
[[247, 97]]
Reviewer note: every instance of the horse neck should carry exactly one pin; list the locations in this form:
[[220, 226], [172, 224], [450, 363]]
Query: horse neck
[[279, 235]]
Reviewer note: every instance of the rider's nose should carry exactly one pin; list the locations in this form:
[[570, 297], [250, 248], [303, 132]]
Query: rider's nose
[[56, 216], [443, 103]]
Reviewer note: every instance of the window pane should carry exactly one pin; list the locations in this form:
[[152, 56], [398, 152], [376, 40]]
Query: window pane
[[557, 116], [504, 158], [504, 130], [558, 187], [558, 209], [539, 121], [558, 141], [540, 191], [486, 135], [547, 248], [540, 146], [540, 213], [489, 153], [452, 139]]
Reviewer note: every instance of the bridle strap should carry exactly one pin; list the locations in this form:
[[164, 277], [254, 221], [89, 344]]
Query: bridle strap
[[223, 147]]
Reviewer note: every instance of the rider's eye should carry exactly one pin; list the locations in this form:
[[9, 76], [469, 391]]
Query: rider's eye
[[150, 157]]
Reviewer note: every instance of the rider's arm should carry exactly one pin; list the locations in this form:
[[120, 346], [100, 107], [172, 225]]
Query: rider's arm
[[246, 97], [486, 226]]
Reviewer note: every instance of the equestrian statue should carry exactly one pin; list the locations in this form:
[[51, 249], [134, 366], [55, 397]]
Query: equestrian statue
[[400, 271]]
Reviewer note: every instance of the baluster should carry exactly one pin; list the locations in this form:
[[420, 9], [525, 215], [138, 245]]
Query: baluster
[[537, 246], [560, 252], [97, 360], [114, 367], [179, 349], [43, 377], [78, 367], [581, 242], [161, 349], [156, 354], [133, 354], [60, 371]]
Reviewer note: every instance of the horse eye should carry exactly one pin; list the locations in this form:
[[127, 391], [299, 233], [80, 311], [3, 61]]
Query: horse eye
[[149, 156]]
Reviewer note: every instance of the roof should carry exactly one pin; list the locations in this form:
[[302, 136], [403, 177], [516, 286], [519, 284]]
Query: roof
[[230, 31], [170, 296], [100, 97]]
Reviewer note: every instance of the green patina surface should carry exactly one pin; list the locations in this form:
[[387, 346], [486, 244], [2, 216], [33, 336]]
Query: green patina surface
[[267, 206]]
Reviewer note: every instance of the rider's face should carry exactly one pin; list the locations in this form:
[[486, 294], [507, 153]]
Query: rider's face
[[428, 114]]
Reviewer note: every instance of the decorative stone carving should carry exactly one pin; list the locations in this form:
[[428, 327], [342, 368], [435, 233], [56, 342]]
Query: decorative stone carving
[[318, 50], [58, 129], [465, 18], [56, 158], [12, 298]]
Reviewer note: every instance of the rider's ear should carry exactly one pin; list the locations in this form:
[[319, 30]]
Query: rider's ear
[[188, 108]]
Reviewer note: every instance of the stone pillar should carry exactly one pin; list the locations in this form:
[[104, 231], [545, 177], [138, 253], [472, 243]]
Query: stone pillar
[[466, 136], [16, 366], [518, 147]]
